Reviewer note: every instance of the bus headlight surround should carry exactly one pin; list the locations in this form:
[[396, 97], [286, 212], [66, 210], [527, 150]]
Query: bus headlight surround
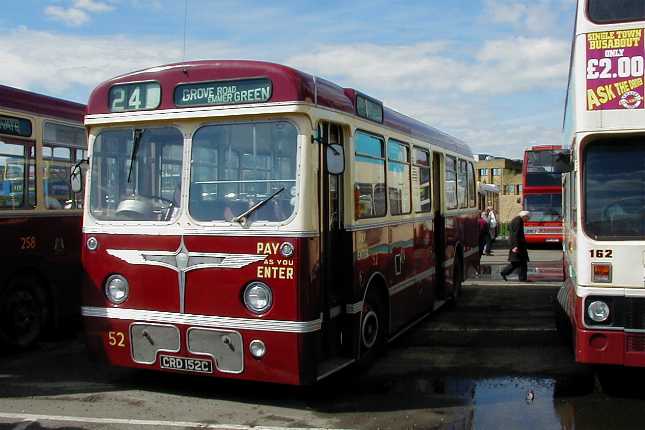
[[257, 348], [117, 289], [598, 311], [258, 297]]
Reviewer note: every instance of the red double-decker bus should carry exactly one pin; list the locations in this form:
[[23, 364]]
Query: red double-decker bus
[[248, 220], [40, 219], [542, 193]]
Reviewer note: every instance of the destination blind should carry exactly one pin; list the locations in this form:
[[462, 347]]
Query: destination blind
[[15, 126], [245, 91]]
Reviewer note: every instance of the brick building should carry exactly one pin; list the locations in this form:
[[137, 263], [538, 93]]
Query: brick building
[[506, 174]]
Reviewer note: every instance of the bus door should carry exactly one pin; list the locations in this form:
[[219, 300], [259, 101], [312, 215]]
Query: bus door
[[335, 249], [439, 227]]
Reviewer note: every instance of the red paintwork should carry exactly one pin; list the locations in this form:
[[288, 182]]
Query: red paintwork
[[289, 85], [614, 351], [13, 98], [214, 292]]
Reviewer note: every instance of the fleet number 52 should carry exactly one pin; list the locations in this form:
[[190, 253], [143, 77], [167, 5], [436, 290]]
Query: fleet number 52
[[116, 338]]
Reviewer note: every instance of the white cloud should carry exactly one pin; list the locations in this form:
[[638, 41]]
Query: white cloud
[[93, 5], [535, 16], [59, 63], [500, 67], [79, 13], [71, 16]]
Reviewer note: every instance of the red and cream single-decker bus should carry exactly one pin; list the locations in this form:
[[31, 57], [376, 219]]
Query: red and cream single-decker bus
[[41, 138], [247, 220]]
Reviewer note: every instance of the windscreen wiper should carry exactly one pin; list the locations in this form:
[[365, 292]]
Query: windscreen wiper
[[137, 134], [255, 207]]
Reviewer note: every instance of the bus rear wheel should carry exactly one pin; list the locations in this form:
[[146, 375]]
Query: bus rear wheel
[[22, 312]]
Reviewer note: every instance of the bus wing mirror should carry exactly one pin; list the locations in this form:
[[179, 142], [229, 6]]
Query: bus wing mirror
[[76, 177], [335, 159]]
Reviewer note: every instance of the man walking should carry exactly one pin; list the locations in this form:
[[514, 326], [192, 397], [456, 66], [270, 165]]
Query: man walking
[[518, 255]]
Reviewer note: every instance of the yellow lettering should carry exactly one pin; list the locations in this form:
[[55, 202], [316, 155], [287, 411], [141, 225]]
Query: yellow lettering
[[592, 100], [289, 272]]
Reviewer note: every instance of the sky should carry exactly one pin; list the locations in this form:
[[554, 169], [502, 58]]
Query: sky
[[490, 72]]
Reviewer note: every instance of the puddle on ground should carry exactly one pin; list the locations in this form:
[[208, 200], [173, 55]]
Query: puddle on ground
[[565, 402], [541, 271]]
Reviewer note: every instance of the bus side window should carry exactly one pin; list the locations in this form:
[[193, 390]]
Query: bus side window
[[369, 177]]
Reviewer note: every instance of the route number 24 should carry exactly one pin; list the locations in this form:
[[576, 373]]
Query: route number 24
[[601, 253]]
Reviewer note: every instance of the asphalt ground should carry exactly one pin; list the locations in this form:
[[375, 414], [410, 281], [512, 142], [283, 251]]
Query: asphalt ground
[[492, 361]]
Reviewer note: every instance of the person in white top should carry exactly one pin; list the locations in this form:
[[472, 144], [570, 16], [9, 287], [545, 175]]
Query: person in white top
[[492, 227]]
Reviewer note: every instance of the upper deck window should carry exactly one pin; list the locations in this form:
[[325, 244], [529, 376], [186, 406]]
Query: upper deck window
[[236, 166], [544, 168], [605, 11]]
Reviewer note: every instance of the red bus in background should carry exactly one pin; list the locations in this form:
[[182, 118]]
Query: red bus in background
[[542, 193], [41, 138], [248, 220]]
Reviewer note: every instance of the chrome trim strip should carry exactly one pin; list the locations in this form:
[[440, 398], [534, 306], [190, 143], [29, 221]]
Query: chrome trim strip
[[354, 308], [471, 252], [411, 281], [449, 262], [180, 262], [203, 320], [154, 230], [342, 366], [357, 227], [335, 311]]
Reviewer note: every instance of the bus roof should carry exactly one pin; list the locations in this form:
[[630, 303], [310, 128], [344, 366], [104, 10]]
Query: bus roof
[[544, 148], [26, 101], [289, 85]]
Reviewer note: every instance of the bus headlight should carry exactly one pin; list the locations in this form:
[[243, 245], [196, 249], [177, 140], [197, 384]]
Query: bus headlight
[[117, 289], [258, 297], [598, 311]]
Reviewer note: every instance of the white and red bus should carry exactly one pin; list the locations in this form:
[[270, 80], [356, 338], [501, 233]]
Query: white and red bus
[[40, 219], [247, 220], [542, 193], [603, 298]]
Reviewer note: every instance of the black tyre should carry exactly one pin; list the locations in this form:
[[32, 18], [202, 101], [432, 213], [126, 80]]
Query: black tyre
[[373, 327], [23, 313]]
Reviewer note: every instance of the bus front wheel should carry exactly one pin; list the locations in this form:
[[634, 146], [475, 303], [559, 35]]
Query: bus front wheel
[[22, 312], [373, 327]]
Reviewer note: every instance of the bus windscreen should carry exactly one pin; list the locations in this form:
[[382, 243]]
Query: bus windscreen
[[544, 207], [614, 195], [601, 11]]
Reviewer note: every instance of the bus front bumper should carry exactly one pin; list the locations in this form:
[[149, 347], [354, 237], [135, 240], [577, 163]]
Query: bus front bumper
[[610, 347]]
